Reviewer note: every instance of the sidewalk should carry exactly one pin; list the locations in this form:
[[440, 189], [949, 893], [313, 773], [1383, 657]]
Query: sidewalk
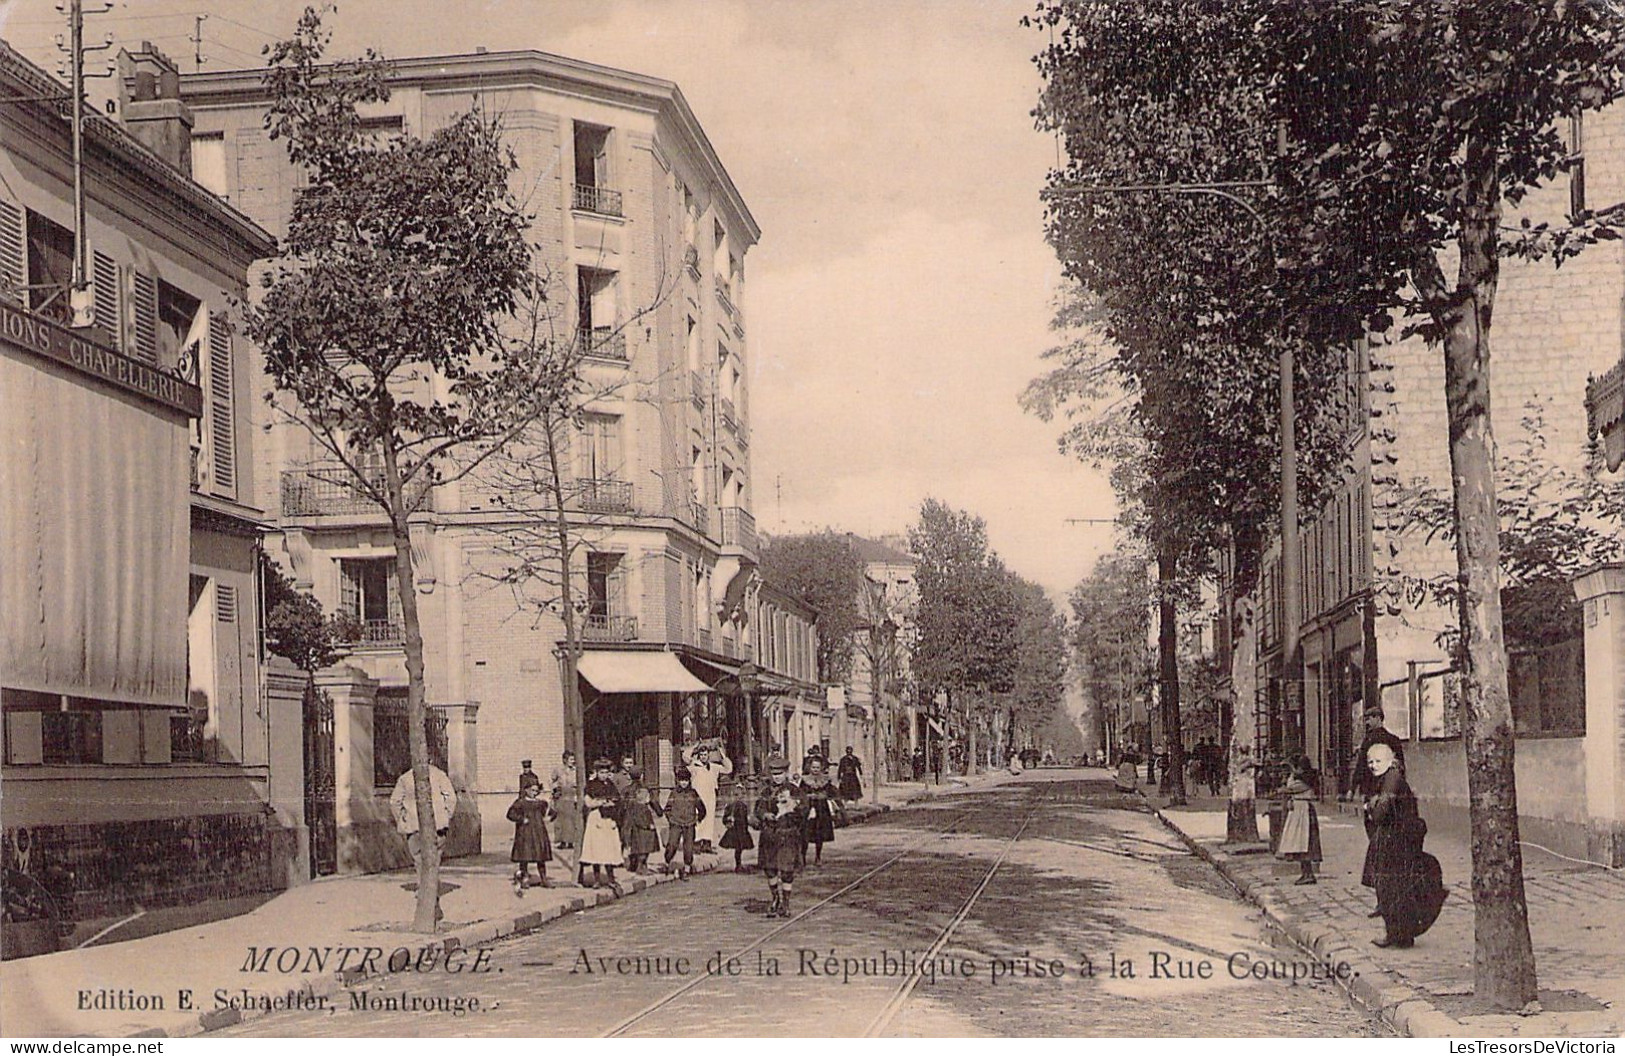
[[1576, 920], [78, 992]]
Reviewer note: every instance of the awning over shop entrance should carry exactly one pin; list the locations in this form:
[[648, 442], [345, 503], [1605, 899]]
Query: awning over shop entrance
[[629, 671]]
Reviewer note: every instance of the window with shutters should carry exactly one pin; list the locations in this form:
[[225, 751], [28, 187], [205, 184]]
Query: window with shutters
[[221, 409], [13, 254], [50, 268], [144, 317], [109, 305]]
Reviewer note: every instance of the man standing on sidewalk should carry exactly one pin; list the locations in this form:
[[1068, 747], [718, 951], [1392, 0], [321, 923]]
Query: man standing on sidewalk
[[403, 805]]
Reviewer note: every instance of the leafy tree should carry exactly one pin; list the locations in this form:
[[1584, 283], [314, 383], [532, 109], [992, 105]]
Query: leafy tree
[[380, 321], [295, 626], [1039, 680], [822, 570], [1412, 127], [967, 614], [1110, 627]]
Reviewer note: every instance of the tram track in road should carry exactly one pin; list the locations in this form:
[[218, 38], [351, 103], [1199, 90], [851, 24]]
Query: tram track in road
[[621, 1028], [894, 1004]]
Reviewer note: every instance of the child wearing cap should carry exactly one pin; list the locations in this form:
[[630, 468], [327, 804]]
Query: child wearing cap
[[684, 811], [780, 813]]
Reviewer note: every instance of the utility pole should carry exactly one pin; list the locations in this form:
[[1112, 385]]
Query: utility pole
[[80, 297]]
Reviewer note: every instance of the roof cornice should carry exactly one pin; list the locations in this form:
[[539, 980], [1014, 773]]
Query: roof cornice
[[504, 69]]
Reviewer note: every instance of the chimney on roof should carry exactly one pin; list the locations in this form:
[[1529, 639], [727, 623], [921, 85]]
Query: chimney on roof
[[150, 105]]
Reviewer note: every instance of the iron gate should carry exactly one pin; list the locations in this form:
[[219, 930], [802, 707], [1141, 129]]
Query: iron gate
[[321, 816]]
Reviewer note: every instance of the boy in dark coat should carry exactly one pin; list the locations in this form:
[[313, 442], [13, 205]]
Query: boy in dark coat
[[529, 815], [780, 813], [683, 811], [638, 836]]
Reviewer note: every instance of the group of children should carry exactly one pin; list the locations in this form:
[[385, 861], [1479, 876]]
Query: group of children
[[617, 826]]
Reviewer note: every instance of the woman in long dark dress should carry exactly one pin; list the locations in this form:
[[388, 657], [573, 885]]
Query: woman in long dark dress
[[850, 771], [1409, 888]]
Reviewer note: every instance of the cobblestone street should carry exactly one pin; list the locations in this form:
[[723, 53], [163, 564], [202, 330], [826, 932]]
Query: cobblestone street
[[1091, 888]]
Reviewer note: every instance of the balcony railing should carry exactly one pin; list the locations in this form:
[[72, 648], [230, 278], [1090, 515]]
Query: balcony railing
[[730, 414], [702, 638], [197, 469], [699, 515], [697, 386], [603, 342], [738, 527], [600, 200], [325, 488], [376, 632], [604, 496], [599, 628], [725, 296]]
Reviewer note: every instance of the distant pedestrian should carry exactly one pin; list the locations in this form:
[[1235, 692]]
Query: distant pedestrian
[[1151, 767], [684, 811], [919, 764], [527, 776], [1410, 887], [1300, 835], [601, 843], [850, 771], [1128, 772], [638, 836], [566, 803], [779, 813], [820, 828], [1212, 757], [736, 818], [529, 815]]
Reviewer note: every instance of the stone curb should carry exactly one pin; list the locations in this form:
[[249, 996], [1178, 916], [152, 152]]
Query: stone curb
[[473, 935], [1404, 1008]]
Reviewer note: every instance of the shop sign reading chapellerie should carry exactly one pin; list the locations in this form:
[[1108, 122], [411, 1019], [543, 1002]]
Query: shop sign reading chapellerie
[[43, 337]]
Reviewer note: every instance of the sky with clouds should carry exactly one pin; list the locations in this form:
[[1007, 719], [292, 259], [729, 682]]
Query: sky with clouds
[[900, 295]]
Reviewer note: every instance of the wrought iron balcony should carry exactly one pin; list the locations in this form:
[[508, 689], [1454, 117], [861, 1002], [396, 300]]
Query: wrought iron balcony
[[738, 527], [326, 488], [699, 515], [602, 628], [604, 496], [372, 632], [702, 638], [602, 342], [730, 414], [697, 386], [600, 200]]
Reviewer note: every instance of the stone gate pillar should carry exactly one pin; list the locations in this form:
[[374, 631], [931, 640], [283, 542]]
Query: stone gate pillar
[[1602, 595]]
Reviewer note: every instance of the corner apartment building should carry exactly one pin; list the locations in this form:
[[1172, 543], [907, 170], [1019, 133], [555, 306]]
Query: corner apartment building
[[138, 766], [884, 729], [637, 215], [1366, 647]]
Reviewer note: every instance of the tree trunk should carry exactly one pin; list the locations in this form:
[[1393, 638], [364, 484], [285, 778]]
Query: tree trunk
[[1241, 820], [1503, 959], [1168, 674], [575, 721], [426, 912]]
